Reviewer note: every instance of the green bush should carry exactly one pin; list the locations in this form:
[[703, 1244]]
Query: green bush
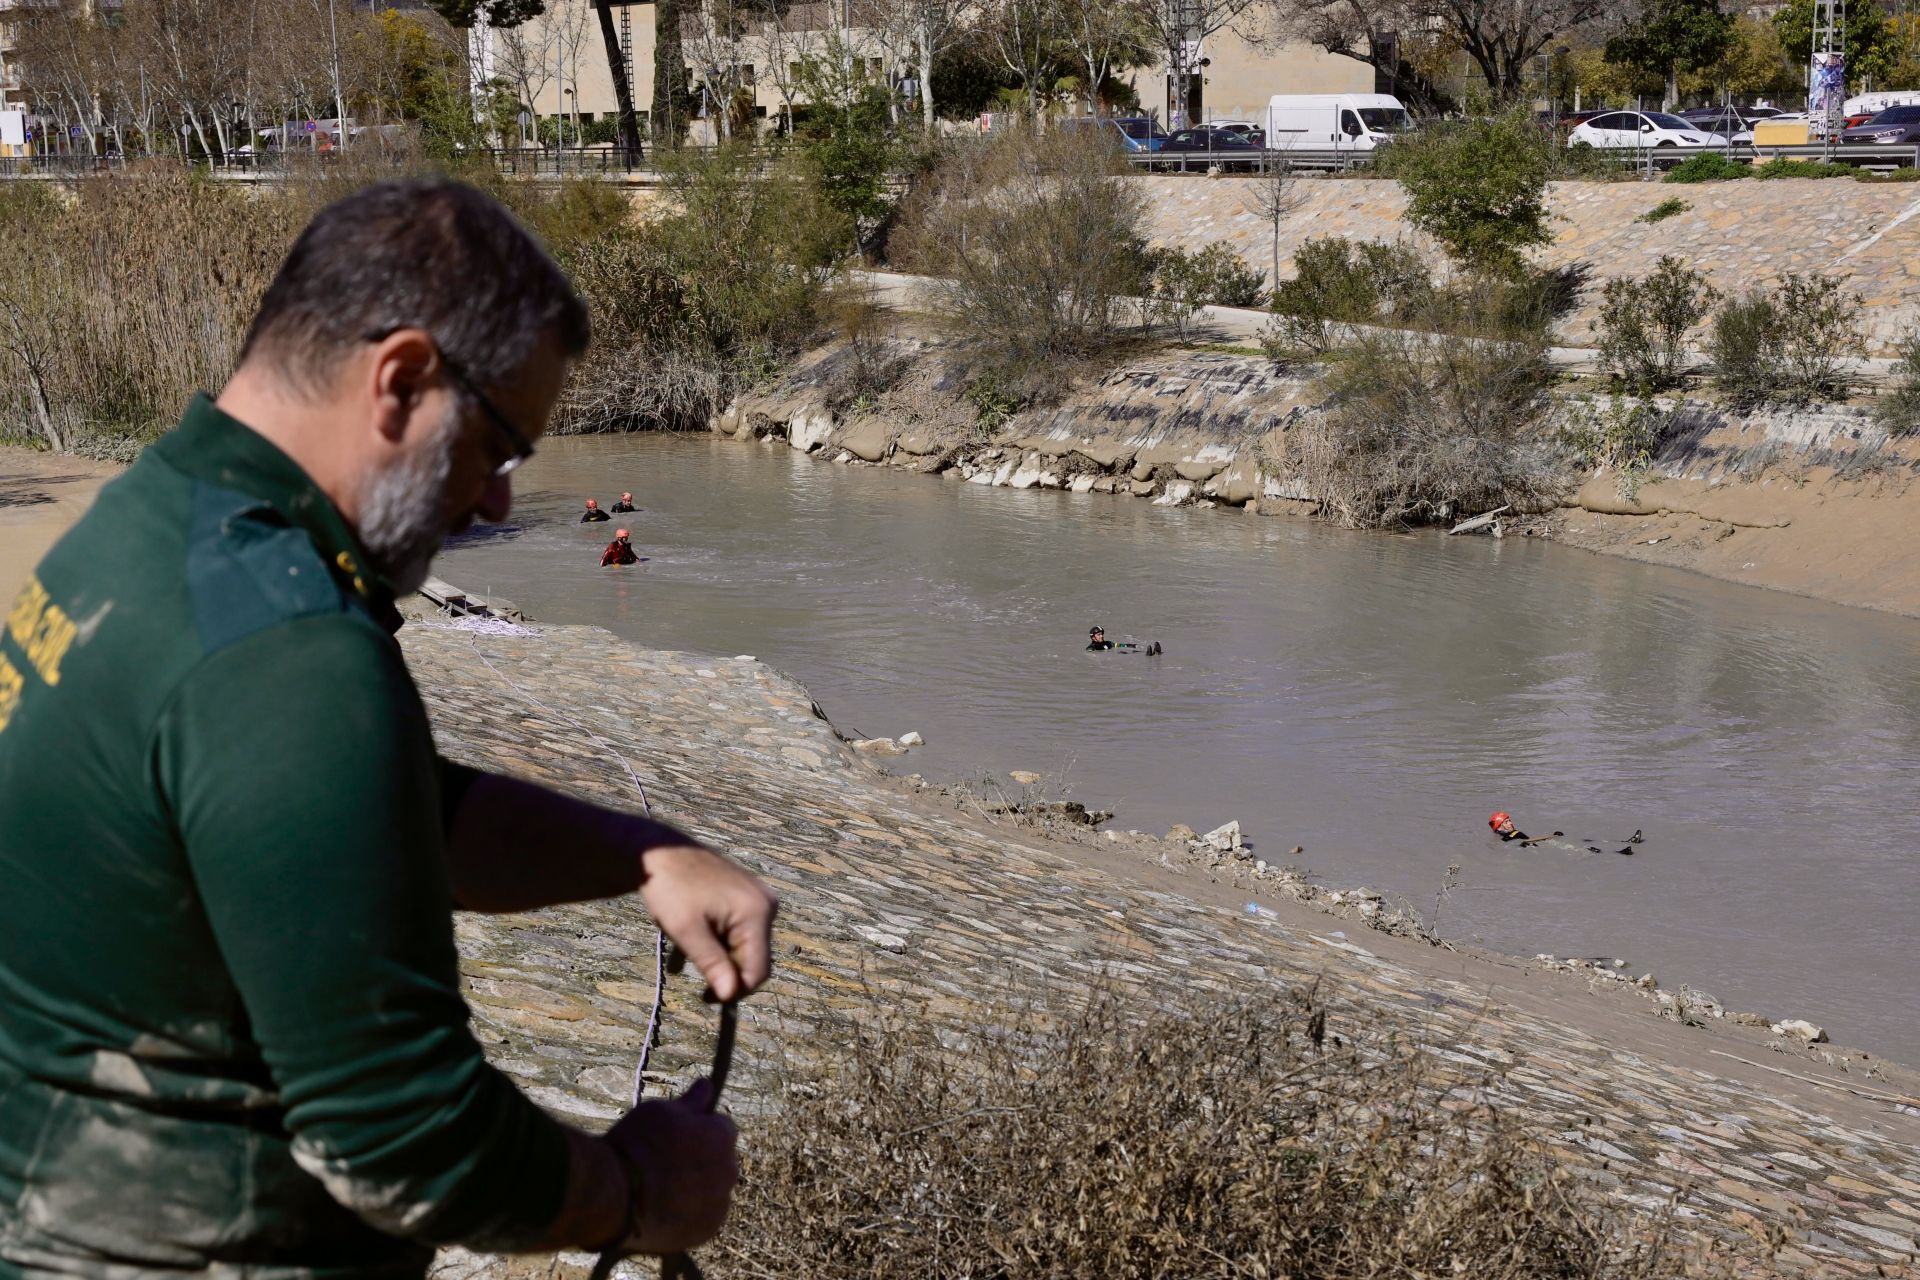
[[1338, 281], [1788, 343], [1643, 325], [1708, 166], [1804, 169], [1479, 187], [1180, 282], [1623, 437], [1667, 208], [1899, 409]]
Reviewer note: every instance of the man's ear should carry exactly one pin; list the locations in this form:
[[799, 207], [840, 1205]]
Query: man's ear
[[402, 368]]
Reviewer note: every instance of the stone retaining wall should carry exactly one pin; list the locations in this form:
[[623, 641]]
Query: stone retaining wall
[[1745, 234]]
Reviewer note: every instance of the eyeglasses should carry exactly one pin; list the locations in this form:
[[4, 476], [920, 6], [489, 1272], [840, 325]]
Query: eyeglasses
[[522, 448]]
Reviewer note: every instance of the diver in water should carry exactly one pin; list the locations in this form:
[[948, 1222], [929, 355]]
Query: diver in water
[[1097, 642]]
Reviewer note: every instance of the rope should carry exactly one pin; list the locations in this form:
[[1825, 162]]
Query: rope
[[605, 1265]]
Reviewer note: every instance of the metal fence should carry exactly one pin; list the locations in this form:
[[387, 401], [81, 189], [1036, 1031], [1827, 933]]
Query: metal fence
[[1648, 160]]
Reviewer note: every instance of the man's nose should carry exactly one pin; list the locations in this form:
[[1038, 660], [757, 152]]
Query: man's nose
[[495, 500]]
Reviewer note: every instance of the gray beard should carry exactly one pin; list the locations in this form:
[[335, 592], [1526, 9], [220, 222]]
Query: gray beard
[[403, 520]]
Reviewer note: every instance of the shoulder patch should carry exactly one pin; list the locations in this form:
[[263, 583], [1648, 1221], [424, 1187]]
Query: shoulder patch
[[248, 569]]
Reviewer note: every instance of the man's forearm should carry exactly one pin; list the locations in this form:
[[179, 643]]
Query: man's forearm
[[516, 846]]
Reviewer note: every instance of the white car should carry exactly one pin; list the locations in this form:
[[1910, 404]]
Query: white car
[[1616, 130]]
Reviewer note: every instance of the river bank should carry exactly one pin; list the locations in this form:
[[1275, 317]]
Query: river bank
[[1816, 501], [887, 896]]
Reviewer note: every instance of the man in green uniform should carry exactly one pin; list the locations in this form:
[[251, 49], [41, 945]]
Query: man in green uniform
[[231, 1029]]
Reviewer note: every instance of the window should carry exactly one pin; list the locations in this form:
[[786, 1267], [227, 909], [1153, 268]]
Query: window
[[1350, 124], [1611, 120]]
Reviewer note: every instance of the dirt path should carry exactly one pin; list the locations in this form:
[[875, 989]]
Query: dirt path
[[41, 495]]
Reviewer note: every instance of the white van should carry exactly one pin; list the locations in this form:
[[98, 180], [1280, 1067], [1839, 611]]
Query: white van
[[1334, 121]]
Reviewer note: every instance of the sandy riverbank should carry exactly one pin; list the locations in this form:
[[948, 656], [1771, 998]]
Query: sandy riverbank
[[41, 495]]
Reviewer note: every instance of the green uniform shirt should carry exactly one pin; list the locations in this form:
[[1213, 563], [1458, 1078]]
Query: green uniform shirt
[[231, 1028]]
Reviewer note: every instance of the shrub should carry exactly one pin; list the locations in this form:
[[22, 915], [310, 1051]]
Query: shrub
[[1167, 1135], [1624, 437], [1899, 409], [1479, 188], [1784, 168], [1420, 426], [1643, 325], [1338, 281], [1708, 166], [1180, 282], [1670, 207], [1790, 342], [1037, 246]]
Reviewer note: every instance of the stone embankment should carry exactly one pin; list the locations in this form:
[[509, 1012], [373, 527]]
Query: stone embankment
[[891, 899], [1815, 500], [1863, 237]]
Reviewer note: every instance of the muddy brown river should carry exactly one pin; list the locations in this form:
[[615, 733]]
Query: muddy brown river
[[1370, 697]]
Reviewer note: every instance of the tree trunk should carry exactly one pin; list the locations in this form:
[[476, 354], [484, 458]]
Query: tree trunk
[[622, 89], [926, 84], [669, 75], [1673, 87]]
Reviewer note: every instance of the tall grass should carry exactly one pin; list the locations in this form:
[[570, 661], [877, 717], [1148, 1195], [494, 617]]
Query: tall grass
[[121, 296], [1172, 1136]]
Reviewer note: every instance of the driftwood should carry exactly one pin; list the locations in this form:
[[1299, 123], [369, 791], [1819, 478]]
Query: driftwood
[[1478, 522]]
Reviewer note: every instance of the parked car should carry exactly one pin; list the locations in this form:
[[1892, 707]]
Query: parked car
[[1727, 122], [1639, 130], [1572, 118], [1210, 145], [1136, 133], [1245, 128], [1893, 127]]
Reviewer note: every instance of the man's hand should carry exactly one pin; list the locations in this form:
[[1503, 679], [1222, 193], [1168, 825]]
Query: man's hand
[[720, 915], [683, 1161]]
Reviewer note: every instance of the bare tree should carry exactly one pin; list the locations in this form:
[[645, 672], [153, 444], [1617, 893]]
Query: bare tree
[[915, 33], [785, 39], [1178, 29], [1502, 38], [1272, 194], [525, 59], [713, 40], [1026, 34], [1105, 35]]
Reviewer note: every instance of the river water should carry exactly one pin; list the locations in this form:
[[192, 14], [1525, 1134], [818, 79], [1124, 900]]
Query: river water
[[1370, 697]]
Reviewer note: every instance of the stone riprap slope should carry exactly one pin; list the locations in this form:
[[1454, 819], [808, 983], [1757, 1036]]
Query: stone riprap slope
[[1863, 236], [886, 897]]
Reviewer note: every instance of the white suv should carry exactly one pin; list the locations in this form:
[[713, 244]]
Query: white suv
[[1619, 129]]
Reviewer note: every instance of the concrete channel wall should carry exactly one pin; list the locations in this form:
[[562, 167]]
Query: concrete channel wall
[[1865, 237]]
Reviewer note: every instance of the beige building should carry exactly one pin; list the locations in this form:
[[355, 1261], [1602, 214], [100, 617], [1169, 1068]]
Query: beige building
[[558, 63]]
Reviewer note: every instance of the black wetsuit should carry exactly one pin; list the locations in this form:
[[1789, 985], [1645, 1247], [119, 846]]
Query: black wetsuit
[[624, 507], [1099, 644], [593, 513]]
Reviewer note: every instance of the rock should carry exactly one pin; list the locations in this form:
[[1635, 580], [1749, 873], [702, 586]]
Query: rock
[[1802, 1028], [918, 443], [809, 429], [1141, 488], [1198, 469], [1239, 483], [1108, 457], [1082, 483], [1260, 865], [744, 657], [1177, 492], [1181, 831], [866, 439], [881, 938], [1112, 836], [912, 739], [1025, 777], [1646, 982], [1142, 471], [878, 747], [1224, 838], [1702, 1003]]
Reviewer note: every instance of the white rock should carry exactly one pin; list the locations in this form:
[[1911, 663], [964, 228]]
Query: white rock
[[1112, 836], [1646, 982], [878, 747], [1025, 777], [1224, 838], [911, 739], [1802, 1028], [807, 431], [1260, 865], [881, 938], [744, 657], [1082, 483]]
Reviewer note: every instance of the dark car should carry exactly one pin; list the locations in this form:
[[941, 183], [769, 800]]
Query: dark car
[[1896, 126], [1134, 133], [1208, 145]]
